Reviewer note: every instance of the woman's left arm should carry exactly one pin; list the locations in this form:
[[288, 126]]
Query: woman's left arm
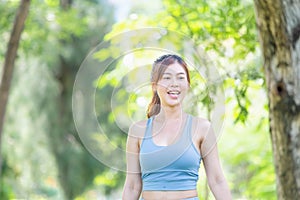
[[215, 177]]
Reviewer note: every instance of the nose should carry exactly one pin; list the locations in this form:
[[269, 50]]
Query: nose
[[174, 83]]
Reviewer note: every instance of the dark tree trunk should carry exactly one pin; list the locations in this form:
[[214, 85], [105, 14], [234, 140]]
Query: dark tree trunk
[[65, 4], [9, 61], [74, 163], [278, 23]]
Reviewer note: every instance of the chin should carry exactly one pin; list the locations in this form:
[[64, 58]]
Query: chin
[[173, 104]]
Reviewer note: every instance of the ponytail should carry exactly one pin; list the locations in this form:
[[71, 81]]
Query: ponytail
[[154, 106]]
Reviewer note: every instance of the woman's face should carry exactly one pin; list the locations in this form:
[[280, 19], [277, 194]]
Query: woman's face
[[173, 85]]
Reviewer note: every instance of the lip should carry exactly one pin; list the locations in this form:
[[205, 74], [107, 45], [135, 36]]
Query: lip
[[174, 92]]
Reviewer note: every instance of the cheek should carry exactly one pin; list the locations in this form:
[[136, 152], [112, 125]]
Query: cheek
[[162, 84], [185, 86], [161, 90]]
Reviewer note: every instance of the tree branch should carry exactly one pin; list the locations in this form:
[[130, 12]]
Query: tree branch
[[10, 57]]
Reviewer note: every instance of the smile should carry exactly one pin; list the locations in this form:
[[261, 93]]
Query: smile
[[173, 92]]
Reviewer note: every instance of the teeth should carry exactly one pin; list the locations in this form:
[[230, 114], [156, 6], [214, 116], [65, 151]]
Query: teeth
[[173, 92]]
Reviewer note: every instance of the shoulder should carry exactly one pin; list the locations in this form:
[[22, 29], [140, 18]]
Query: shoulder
[[137, 129], [201, 123], [135, 135], [200, 126]]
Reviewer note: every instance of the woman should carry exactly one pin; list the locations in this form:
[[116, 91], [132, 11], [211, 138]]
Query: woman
[[165, 151]]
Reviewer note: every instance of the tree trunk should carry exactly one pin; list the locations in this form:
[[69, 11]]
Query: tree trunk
[[10, 57], [73, 161], [278, 23]]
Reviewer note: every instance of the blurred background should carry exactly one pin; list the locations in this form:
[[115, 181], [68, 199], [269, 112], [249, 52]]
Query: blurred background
[[43, 156]]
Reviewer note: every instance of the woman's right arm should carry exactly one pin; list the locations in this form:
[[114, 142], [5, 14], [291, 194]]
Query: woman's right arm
[[133, 182]]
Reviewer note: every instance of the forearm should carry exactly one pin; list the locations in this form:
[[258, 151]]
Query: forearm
[[221, 190], [131, 193]]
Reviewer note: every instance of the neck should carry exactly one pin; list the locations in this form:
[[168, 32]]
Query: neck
[[170, 113]]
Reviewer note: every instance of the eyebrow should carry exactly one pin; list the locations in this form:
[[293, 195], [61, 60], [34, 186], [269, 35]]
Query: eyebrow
[[180, 73]]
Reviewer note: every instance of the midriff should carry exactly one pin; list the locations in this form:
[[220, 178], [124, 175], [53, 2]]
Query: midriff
[[169, 195]]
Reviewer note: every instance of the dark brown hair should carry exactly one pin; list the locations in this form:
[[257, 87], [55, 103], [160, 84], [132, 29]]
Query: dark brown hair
[[158, 68]]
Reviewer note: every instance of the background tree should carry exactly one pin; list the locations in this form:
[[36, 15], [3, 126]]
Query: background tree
[[76, 41], [278, 24], [46, 157], [9, 61], [42, 154]]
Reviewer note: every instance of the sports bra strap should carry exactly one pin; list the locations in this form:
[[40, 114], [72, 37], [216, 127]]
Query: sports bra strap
[[189, 127], [148, 132]]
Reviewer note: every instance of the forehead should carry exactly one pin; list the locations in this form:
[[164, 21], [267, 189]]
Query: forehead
[[175, 68]]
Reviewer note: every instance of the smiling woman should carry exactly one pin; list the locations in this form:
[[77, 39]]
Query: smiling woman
[[164, 153], [168, 71]]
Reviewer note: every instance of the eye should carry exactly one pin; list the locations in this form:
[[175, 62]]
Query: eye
[[181, 77], [166, 77]]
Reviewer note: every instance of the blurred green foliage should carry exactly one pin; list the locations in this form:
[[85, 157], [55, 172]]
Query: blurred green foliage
[[42, 153], [43, 156], [226, 31]]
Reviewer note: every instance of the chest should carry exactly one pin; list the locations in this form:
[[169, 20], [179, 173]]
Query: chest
[[164, 134]]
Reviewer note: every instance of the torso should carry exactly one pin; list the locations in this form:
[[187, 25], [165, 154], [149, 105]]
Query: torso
[[168, 137], [166, 134], [169, 195]]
